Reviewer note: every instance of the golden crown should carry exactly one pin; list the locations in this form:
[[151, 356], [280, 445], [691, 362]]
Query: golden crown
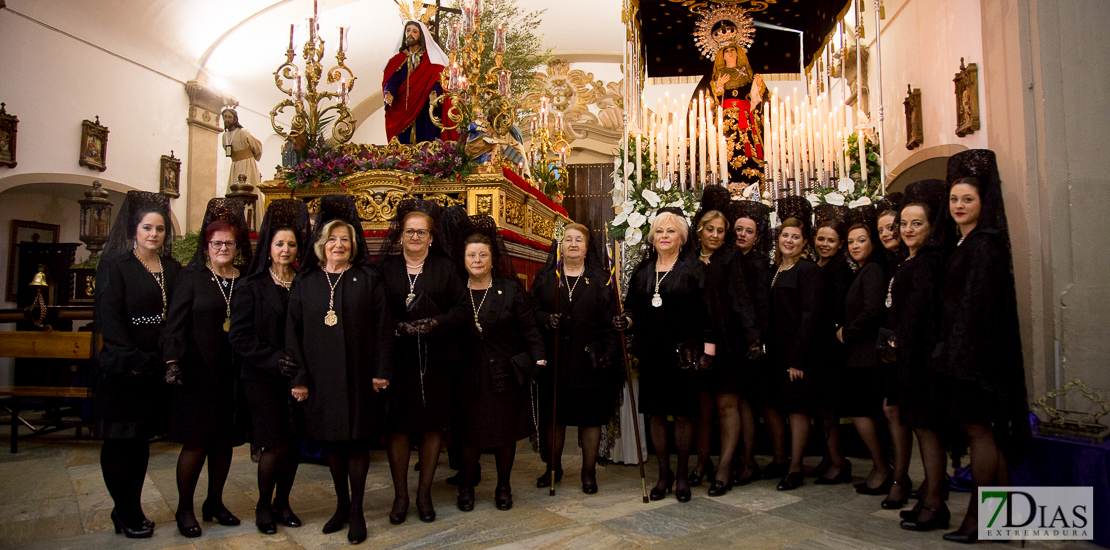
[[418, 11]]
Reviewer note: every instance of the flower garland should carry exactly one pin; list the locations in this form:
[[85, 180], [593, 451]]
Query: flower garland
[[639, 207], [328, 166]]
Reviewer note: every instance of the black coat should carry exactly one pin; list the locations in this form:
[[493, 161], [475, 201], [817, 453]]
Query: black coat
[[757, 277], [257, 334], [913, 319], [863, 315], [980, 346], [207, 409], [490, 407], [127, 312], [338, 363], [682, 319], [795, 333], [422, 403], [585, 329]]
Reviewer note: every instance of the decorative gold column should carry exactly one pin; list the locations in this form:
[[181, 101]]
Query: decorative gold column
[[204, 130]]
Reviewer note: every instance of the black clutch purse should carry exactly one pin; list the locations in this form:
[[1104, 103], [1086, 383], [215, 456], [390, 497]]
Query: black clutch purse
[[688, 353], [523, 367], [422, 307]]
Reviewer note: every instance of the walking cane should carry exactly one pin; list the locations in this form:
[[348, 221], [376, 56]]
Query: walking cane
[[614, 281], [554, 371]]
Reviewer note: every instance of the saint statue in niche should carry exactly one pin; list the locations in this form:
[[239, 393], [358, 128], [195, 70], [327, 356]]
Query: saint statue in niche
[[244, 149]]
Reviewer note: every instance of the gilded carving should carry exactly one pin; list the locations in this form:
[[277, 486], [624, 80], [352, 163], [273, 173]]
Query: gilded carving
[[485, 205], [915, 132], [542, 227], [572, 93], [514, 212], [967, 99]]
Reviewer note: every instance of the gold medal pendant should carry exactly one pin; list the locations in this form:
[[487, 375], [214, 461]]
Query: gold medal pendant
[[227, 324], [409, 299], [330, 319], [479, 325], [657, 300]]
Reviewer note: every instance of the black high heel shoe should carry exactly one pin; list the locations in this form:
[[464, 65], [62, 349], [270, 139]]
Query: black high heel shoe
[[696, 478], [286, 516], [658, 493], [503, 498], [792, 481], [719, 488], [340, 517], [844, 476], [942, 517], [544, 480], [398, 514], [427, 515], [465, 500], [882, 489], [738, 481], [912, 512], [589, 482], [220, 513], [890, 504], [140, 533], [264, 520], [356, 528], [187, 525]]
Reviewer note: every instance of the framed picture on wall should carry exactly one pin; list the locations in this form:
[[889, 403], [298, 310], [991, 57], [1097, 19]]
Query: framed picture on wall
[[25, 232], [9, 125], [94, 145], [169, 170]]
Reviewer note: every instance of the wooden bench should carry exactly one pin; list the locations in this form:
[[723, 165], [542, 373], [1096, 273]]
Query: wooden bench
[[42, 345]]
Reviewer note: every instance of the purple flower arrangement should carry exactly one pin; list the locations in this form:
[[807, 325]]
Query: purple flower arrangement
[[328, 166]]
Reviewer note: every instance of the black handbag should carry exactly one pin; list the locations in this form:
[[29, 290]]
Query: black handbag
[[523, 367], [688, 353]]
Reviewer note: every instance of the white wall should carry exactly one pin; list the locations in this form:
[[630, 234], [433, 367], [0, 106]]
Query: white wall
[[922, 43]]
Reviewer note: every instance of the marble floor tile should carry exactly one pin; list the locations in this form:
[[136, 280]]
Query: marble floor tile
[[18, 533]]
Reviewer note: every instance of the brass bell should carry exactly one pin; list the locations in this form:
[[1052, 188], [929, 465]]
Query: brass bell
[[40, 278]]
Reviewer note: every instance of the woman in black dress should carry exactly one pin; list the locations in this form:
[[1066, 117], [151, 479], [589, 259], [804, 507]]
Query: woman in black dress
[[862, 380], [980, 355], [429, 303], [666, 311], [796, 309], [585, 392], [201, 365], [837, 273], [913, 302], [134, 281], [753, 242], [340, 335], [257, 334], [712, 247], [502, 348]]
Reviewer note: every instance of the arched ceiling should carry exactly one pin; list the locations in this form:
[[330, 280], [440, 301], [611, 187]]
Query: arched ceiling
[[239, 43]]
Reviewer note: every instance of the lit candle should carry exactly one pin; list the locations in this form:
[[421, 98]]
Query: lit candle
[[702, 135], [543, 112], [478, 9], [692, 142], [533, 125], [639, 160], [504, 82], [499, 40], [841, 160], [468, 17], [651, 142], [681, 153], [342, 42], [723, 156]]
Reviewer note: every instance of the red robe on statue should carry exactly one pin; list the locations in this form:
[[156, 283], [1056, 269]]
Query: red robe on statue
[[407, 118]]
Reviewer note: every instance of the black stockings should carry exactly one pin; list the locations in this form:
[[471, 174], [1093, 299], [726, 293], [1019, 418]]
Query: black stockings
[[123, 463], [683, 439], [704, 427], [189, 464], [799, 436], [868, 432], [988, 467], [590, 438], [349, 462], [901, 442], [729, 413], [277, 467], [776, 431], [505, 455], [398, 450]]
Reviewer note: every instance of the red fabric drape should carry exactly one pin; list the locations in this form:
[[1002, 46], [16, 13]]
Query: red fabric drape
[[519, 182], [410, 98]]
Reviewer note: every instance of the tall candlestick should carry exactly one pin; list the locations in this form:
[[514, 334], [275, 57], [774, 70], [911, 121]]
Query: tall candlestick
[[639, 161], [701, 150], [651, 142]]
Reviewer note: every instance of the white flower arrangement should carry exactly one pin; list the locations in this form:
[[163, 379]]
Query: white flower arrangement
[[847, 191]]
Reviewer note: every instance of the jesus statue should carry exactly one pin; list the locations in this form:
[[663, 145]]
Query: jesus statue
[[410, 77]]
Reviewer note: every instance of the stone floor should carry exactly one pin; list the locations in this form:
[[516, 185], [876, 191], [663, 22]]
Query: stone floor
[[52, 496]]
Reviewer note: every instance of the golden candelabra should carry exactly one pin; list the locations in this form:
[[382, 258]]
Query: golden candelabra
[[309, 119], [474, 95]]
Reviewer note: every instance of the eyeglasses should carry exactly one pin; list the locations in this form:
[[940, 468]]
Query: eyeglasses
[[221, 245], [422, 233]]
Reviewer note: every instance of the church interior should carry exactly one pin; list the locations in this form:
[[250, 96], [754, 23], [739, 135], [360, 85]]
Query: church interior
[[545, 113]]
